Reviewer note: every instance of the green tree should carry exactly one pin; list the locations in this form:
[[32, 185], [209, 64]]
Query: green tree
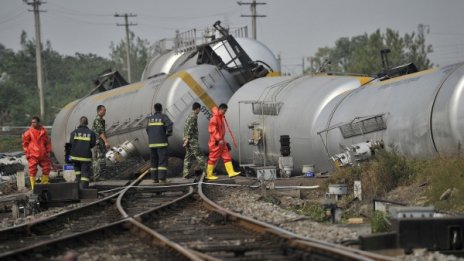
[[141, 51], [361, 54], [66, 78]]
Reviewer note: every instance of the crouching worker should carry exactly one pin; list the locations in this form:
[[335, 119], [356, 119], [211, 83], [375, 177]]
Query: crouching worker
[[218, 147], [82, 141], [37, 147]]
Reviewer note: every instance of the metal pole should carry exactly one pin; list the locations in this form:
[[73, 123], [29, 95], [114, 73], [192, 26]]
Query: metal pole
[[253, 15], [253, 18], [38, 56], [127, 24], [239, 136], [129, 74]]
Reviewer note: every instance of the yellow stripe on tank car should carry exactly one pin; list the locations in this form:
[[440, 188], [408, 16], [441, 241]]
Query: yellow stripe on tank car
[[196, 88], [364, 80], [273, 74], [118, 91], [71, 104], [404, 77]]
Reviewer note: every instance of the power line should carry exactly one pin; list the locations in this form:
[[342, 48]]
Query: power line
[[127, 24], [253, 14]]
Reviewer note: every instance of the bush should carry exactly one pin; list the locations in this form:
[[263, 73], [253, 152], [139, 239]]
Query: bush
[[384, 172], [10, 143], [380, 222]]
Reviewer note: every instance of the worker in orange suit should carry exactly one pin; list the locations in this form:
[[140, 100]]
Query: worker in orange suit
[[37, 147], [218, 147]]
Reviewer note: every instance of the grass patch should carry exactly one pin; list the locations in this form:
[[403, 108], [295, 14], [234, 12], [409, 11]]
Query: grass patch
[[441, 175], [384, 172], [314, 211]]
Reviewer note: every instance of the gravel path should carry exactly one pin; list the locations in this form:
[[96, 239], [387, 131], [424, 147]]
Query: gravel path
[[248, 203]]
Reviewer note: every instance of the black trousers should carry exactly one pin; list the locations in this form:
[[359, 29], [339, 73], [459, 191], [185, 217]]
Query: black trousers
[[82, 170], [159, 163]]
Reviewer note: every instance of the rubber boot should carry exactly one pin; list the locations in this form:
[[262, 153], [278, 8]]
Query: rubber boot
[[32, 180], [209, 173], [230, 169], [44, 179]]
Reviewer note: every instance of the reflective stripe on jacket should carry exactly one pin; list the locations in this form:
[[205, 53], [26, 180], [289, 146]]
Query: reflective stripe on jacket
[[82, 140], [159, 127]]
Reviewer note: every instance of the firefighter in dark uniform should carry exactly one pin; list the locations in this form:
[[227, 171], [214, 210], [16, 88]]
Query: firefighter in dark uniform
[[159, 127], [82, 141]]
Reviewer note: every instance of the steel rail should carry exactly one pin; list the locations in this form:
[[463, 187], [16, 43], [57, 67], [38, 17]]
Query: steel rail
[[312, 245]]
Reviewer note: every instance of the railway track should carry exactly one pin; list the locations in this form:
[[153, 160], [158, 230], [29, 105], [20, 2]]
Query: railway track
[[171, 223]]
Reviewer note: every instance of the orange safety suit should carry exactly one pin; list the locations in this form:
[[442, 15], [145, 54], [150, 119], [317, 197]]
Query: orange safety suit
[[37, 146], [217, 132]]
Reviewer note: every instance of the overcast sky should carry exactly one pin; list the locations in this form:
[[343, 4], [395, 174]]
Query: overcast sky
[[293, 28]]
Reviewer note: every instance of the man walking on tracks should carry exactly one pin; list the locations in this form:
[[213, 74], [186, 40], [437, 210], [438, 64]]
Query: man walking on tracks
[[218, 147], [191, 145], [102, 144], [159, 127], [82, 140], [37, 147]]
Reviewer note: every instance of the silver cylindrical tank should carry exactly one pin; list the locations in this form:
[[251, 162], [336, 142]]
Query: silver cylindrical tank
[[169, 62], [420, 115], [179, 82], [128, 107], [267, 108]]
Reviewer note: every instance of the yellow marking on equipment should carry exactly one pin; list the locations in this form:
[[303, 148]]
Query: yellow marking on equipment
[[404, 77], [196, 88], [118, 91], [85, 179], [162, 168], [274, 74]]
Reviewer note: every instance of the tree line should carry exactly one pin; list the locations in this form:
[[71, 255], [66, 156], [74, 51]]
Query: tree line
[[68, 78]]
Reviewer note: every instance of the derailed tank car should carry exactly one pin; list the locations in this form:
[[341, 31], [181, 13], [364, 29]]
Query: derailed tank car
[[208, 73], [420, 114]]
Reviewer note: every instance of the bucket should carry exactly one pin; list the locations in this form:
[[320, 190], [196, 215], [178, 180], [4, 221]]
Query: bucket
[[308, 170], [68, 173]]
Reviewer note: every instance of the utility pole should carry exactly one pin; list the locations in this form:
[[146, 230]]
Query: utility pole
[[38, 54], [127, 24], [303, 65], [253, 14]]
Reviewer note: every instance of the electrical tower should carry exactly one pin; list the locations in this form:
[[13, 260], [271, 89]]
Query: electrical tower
[[127, 24], [253, 14], [38, 54]]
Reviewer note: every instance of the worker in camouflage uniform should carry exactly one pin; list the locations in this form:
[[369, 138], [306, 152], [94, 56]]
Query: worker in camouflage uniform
[[191, 145], [159, 128], [102, 144]]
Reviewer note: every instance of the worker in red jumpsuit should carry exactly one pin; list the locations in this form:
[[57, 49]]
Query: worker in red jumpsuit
[[37, 147], [218, 147]]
